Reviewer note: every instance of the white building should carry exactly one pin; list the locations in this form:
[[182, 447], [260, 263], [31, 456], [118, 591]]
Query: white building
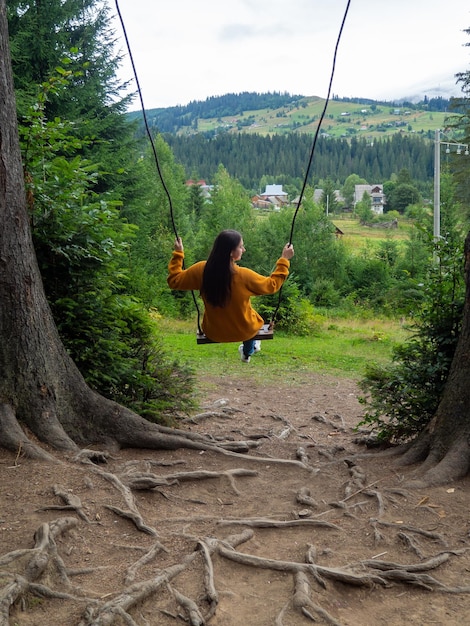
[[273, 197], [377, 196]]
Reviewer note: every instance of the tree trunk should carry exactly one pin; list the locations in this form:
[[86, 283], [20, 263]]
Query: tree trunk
[[40, 386], [443, 448]]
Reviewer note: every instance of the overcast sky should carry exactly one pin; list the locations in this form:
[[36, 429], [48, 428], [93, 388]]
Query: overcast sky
[[185, 50]]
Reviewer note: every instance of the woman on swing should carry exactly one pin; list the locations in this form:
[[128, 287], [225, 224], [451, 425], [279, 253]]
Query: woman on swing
[[226, 289]]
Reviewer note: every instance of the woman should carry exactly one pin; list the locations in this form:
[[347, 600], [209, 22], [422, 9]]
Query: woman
[[226, 289]]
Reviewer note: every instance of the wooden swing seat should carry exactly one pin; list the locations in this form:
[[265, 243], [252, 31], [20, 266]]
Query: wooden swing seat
[[264, 333]]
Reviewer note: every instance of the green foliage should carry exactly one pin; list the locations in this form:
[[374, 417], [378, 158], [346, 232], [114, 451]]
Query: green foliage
[[369, 279], [82, 244], [402, 196], [325, 293], [319, 256], [415, 259], [364, 210], [402, 397], [74, 41], [460, 166], [388, 252], [295, 315], [229, 207], [104, 233], [328, 199], [150, 211], [42, 34], [349, 187]]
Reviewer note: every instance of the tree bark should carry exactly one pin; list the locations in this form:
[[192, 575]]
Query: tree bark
[[443, 447], [40, 386]]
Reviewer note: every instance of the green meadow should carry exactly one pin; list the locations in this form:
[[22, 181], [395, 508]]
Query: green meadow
[[358, 238], [341, 347]]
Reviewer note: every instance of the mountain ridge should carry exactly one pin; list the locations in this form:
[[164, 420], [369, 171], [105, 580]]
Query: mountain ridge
[[281, 113]]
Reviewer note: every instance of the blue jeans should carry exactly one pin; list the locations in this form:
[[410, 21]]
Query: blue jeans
[[249, 347]]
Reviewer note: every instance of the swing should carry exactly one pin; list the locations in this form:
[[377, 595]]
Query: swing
[[267, 330]]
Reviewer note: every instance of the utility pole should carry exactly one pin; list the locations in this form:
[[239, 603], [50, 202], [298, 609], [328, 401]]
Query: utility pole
[[437, 176], [437, 185]]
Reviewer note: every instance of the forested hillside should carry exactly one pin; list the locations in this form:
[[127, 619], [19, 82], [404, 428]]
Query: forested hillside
[[181, 118], [269, 136], [173, 119], [249, 158]]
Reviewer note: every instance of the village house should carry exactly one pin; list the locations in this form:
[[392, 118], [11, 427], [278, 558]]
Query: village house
[[273, 198], [377, 196], [205, 189], [318, 195]]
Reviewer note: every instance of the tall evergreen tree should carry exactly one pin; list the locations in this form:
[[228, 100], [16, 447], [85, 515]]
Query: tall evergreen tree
[[45, 34], [75, 36], [328, 199]]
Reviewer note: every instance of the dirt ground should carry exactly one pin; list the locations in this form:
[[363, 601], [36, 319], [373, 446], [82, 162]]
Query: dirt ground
[[333, 504]]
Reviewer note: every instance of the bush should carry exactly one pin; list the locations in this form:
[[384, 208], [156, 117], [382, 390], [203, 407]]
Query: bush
[[402, 397], [295, 315], [325, 294], [117, 347]]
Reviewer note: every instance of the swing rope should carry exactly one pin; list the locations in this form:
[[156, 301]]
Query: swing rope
[[309, 164], [312, 151], [154, 150]]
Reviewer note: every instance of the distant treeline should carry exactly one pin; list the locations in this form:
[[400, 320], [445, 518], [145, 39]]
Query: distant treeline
[[249, 158], [174, 119], [428, 104]]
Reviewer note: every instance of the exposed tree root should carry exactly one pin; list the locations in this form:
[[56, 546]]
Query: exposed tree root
[[141, 481], [303, 603], [212, 597], [220, 409], [135, 594], [411, 542], [147, 558], [43, 556], [197, 611], [304, 497], [428, 534], [194, 616], [72, 503], [120, 607], [340, 575], [131, 513], [259, 522], [13, 437]]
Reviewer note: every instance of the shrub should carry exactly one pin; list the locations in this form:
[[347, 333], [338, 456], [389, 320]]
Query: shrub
[[402, 397], [295, 315]]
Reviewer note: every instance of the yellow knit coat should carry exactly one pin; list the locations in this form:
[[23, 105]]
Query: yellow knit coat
[[237, 320]]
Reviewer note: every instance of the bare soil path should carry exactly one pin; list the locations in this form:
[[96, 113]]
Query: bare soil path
[[307, 525]]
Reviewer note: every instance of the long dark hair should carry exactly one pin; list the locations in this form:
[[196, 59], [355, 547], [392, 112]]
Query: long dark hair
[[217, 278]]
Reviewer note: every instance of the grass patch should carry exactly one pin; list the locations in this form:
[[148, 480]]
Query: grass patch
[[342, 348]]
